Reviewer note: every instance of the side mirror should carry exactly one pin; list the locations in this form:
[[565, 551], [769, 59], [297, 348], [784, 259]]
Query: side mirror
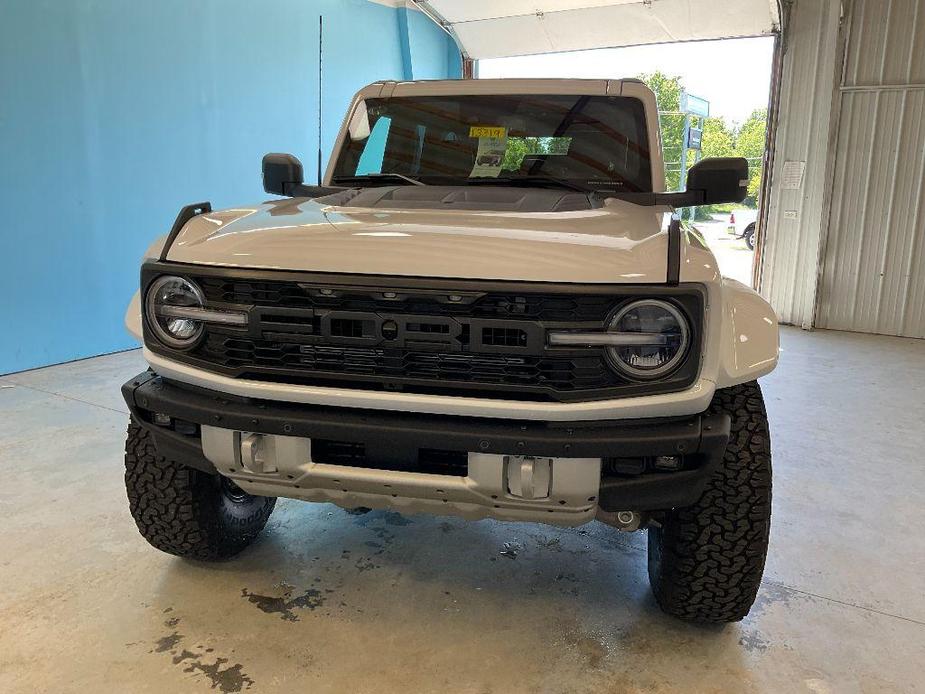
[[281, 173], [719, 179]]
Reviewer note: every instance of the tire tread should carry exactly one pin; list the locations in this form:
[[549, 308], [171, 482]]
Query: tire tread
[[706, 561], [179, 510]]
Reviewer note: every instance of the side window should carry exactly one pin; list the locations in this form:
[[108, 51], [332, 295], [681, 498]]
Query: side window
[[374, 151]]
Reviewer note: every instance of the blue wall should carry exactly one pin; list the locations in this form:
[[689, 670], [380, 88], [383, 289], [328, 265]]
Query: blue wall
[[114, 113], [427, 54]]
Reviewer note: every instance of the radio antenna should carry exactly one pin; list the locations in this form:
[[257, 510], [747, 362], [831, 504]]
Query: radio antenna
[[320, 46]]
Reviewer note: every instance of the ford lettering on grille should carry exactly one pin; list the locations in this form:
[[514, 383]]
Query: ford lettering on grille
[[401, 331]]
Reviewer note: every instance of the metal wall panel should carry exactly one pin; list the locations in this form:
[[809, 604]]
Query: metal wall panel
[[790, 258], [886, 42], [873, 277]]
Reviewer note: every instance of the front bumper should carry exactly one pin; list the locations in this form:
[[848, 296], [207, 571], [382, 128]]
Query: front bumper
[[575, 460]]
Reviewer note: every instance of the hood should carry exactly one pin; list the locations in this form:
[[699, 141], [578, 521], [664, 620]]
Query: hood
[[618, 242]]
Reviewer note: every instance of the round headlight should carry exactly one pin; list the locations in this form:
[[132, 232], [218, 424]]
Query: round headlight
[[173, 292], [663, 338]]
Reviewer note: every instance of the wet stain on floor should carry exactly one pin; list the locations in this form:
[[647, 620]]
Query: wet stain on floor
[[392, 518], [228, 680], [384, 535], [588, 647], [286, 604], [166, 643], [365, 564], [753, 642], [511, 549], [772, 594], [568, 584], [376, 546], [549, 543], [388, 517]]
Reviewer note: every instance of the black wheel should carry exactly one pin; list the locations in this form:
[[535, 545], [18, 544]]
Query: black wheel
[[186, 512], [749, 236], [706, 560]]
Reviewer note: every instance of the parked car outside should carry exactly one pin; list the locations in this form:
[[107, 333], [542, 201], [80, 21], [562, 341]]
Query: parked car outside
[[743, 223]]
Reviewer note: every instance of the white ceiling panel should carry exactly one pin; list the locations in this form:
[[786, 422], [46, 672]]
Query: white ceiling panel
[[491, 29], [474, 10]]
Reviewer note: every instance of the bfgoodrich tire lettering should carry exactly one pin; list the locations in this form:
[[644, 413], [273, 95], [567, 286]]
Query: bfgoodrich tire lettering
[[187, 512], [706, 560]]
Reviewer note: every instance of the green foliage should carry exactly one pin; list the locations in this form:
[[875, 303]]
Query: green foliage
[[668, 94], [667, 90], [519, 147], [719, 140], [515, 152], [750, 140]]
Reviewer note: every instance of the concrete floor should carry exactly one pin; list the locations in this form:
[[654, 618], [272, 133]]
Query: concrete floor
[[331, 602]]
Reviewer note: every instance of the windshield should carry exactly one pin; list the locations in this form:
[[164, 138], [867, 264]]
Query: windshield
[[587, 142]]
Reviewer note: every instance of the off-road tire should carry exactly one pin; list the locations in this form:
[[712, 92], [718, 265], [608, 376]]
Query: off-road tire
[[187, 512], [706, 560]]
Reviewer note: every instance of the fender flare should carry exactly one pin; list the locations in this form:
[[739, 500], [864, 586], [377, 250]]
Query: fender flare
[[749, 335], [133, 311], [133, 317]]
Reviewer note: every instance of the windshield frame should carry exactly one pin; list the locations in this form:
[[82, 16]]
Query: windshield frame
[[572, 87]]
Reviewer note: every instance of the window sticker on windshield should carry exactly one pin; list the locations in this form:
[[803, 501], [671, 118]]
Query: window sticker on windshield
[[490, 153], [493, 131]]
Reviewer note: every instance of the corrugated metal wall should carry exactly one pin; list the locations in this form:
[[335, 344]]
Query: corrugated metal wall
[[873, 277], [790, 257]]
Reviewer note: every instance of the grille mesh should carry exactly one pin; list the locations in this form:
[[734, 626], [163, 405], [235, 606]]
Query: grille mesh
[[547, 307], [565, 374], [489, 343]]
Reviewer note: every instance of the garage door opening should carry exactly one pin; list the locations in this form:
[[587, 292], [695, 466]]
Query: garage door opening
[[704, 112]]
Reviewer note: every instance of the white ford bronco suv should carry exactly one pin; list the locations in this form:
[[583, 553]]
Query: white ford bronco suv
[[488, 309]]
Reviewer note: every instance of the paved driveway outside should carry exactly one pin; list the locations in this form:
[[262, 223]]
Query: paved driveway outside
[[733, 256]]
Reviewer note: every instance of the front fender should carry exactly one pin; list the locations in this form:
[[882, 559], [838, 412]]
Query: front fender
[[749, 340], [133, 317], [133, 312]]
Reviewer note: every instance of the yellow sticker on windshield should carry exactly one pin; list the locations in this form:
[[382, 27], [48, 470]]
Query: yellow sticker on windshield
[[495, 131]]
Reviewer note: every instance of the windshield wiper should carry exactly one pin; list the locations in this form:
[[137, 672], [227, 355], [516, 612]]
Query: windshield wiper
[[372, 176], [533, 180]]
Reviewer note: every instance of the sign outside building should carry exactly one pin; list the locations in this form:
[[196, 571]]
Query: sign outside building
[[695, 105]]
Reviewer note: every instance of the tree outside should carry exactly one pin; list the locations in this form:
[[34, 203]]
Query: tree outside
[[719, 140], [750, 140], [519, 147], [671, 121]]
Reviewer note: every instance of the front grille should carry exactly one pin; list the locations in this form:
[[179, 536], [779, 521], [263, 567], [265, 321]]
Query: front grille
[[308, 363], [480, 339]]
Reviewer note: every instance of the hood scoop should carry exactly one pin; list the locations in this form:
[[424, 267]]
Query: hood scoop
[[483, 198]]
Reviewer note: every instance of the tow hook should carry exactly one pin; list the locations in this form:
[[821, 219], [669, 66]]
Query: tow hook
[[528, 477], [254, 456]]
